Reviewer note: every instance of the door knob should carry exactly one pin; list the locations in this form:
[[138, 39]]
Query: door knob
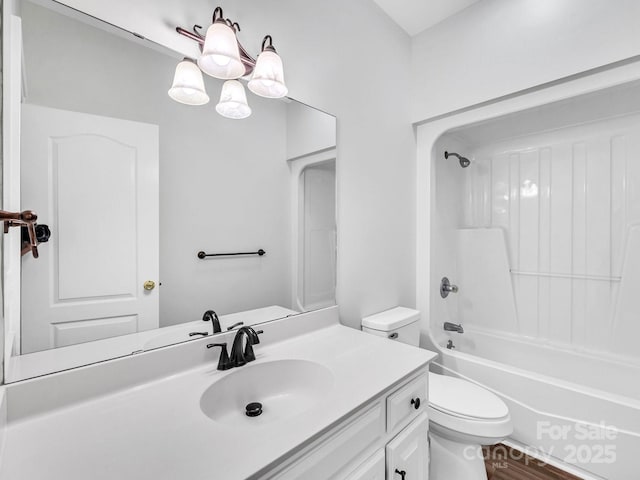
[[402, 473], [149, 285]]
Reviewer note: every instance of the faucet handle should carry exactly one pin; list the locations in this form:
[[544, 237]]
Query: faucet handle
[[223, 361], [193, 334]]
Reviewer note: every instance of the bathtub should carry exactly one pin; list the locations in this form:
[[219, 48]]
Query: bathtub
[[592, 431], [541, 233]]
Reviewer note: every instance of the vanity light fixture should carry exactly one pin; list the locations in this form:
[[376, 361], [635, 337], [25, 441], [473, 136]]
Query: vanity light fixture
[[225, 58]]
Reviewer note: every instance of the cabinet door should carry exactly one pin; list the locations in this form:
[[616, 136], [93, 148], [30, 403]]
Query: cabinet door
[[371, 469], [408, 452], [339, 448]]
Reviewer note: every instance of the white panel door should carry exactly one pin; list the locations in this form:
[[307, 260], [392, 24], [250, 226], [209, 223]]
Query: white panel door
[[94, 181], [408, 452]]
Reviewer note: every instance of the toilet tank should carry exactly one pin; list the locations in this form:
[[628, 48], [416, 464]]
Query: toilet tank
[[399, 323]]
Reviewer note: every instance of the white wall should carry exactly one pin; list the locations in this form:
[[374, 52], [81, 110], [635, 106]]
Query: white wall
[[332, 52], [498, 47], [223, 183], [308, 130]]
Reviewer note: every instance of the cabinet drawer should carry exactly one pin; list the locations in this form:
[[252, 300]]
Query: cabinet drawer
[[341, 447], [401, 405]]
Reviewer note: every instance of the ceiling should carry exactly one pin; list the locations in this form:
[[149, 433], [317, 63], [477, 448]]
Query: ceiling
[[415, 16]]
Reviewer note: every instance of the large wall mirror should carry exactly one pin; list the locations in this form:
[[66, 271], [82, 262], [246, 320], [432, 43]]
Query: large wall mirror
[[132, 185]]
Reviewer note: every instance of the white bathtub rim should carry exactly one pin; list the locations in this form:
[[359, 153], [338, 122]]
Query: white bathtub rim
[[558, 383], [532, 376]]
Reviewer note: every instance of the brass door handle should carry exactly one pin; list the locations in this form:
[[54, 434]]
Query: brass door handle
[[149, 285]]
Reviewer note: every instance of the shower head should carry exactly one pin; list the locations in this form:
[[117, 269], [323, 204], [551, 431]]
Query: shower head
[[464, 161]]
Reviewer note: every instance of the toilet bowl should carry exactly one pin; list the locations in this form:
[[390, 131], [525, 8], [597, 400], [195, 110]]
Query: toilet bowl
[[462, 415]]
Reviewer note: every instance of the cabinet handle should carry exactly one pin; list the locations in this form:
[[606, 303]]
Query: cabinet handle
[[415, 402], [402, 473]]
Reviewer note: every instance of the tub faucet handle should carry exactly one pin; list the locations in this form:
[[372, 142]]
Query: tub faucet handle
[[446, 287]]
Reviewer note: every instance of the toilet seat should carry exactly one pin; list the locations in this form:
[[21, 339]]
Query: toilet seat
[[461, 410], [461, 398]]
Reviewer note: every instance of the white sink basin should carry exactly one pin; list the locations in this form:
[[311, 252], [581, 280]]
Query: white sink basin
[[285, 388]]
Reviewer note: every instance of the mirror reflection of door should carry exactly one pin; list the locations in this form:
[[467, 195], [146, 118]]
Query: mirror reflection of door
[[318, 232], [94, 181]]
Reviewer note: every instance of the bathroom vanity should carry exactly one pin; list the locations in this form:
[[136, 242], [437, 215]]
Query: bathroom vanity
[[337, 403]]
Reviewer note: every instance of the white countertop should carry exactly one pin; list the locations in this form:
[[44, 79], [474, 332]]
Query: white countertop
[[72, 356], [157, 430]]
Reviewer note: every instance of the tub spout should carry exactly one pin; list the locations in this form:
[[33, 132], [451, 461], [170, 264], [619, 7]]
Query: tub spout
[[453, 327]]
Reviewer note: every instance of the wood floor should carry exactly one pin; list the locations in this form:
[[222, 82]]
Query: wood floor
[[504, 463]]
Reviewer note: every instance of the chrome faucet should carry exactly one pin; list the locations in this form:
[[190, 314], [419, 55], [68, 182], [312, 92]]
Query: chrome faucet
[[453, 327], [242, 349]]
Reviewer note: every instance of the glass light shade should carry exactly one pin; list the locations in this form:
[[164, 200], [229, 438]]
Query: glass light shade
[[268, 76], [188, 85], [233, 101], [220, 53]]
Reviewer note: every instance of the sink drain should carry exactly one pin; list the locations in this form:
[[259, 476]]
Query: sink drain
[[253, 409]]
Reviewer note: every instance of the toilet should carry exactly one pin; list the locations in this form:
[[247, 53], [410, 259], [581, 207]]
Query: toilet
[[462, 415]]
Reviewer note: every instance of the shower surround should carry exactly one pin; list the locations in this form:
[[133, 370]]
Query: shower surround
[[541, 233]]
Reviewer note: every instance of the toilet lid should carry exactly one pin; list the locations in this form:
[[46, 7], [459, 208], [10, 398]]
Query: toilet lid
[[461, 398]]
